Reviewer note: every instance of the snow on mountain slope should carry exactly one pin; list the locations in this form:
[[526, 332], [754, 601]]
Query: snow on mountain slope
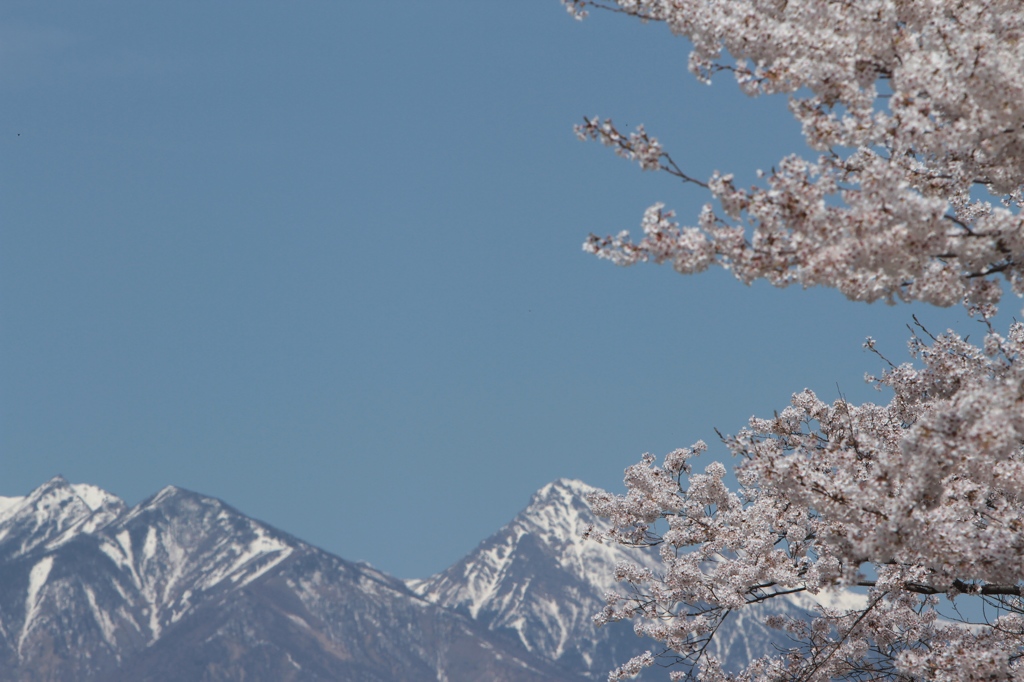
[[95, 497], [179, 546], [8, 505], [539, 581], [183, 586], [76, 562], [54, 513], [554, 521]]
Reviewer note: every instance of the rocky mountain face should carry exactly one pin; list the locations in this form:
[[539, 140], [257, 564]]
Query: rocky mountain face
[[538, 582], [184, 587]]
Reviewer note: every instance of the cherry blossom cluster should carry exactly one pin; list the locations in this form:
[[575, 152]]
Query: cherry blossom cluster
[[921, 497], [911, 105], [915, 110]]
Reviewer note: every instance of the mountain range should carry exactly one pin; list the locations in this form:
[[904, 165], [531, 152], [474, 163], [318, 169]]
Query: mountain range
[[184, 587]]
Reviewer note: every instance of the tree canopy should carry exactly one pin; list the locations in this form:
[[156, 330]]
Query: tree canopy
[[915, 109]]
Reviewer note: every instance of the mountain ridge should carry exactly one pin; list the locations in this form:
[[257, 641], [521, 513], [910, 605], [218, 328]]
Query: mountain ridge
[[91, 589], [184, 581]]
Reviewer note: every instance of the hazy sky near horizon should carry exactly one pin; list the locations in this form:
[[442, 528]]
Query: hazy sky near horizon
[[322, 260]]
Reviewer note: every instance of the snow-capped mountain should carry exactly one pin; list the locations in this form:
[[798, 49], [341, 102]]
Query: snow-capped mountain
[[538, 581], [183, 587], [52, 514]]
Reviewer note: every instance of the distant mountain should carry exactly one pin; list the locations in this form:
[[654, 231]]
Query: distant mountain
[[184, 587], [539, 582]]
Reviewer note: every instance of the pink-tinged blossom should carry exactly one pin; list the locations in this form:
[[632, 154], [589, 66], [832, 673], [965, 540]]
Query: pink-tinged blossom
[[924, 494], [912, 105], [632, 668], [916, 109]]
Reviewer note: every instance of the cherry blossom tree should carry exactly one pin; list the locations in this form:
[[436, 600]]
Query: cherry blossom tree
[[915, 109]]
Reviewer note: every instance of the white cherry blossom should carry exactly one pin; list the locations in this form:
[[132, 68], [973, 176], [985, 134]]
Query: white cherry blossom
[[912, 104], [916, 111]]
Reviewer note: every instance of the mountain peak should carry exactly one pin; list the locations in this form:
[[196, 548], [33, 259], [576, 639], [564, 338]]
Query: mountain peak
[[57, 483], [52, 514], [558, 512], [543, 549], [58, 487], [169, 491], [565, 487], [172, 496]]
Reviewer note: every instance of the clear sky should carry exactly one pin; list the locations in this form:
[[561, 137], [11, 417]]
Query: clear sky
[[322, 260]]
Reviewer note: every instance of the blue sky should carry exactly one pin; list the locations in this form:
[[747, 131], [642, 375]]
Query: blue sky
[[322, 260]]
